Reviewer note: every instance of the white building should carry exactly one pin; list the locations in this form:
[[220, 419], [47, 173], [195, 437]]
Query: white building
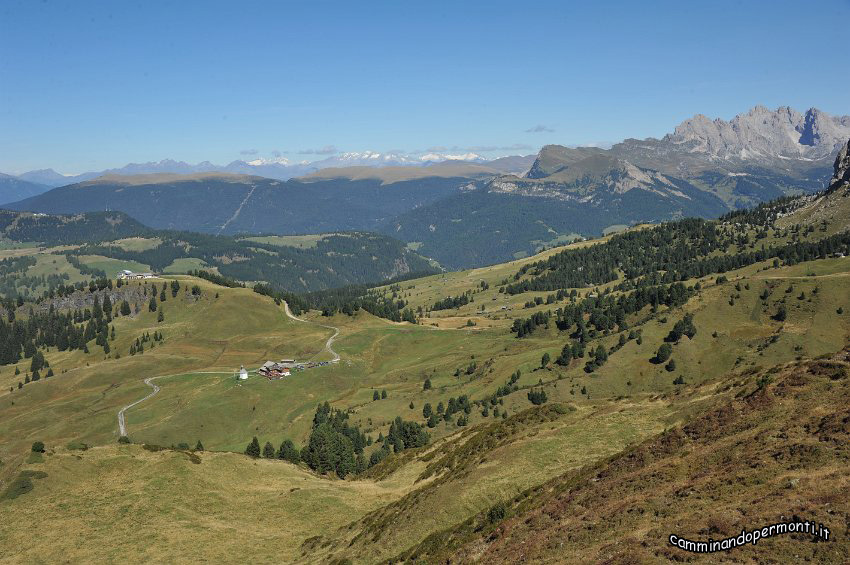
[[243, 373]]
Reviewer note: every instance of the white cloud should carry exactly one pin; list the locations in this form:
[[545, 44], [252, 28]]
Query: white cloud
[[539, 128]]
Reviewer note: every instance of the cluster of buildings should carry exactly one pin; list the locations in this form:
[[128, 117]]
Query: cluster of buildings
[[278, 369], [274, 370], [131, 276]]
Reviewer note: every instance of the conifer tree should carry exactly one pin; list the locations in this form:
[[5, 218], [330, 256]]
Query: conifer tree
[[253, 449]]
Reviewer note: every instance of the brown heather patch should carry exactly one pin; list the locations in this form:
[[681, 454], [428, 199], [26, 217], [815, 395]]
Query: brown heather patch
[[775, 453]]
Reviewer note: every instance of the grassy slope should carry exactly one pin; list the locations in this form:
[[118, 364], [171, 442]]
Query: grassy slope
[[87, 391], [112, 266], [113, 503], [398, 357], [752, 457]]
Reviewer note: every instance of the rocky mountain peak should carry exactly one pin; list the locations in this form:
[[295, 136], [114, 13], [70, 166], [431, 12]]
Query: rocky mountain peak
[[764, 134]]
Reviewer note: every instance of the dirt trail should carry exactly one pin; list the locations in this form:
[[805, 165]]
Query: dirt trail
[[800, 277], [329, 343], [122, 427]]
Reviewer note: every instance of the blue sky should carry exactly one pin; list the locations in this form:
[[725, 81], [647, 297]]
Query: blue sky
[[90, 85]]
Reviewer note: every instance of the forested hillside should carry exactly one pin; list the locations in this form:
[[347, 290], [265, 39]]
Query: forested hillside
[[98, 242], [496, 226], [77, 228], [334, 260], [225, 203]]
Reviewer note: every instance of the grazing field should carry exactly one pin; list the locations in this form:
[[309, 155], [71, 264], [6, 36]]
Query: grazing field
[[112, 266], [137, 243], [110, 502], [185, 265], [207, 333], [300, 241]]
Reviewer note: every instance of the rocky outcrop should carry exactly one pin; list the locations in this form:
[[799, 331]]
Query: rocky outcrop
[[841, 178]]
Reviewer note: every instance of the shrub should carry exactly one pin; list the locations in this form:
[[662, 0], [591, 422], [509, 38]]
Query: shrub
[[497, 513], [537, 397], [38, 447]]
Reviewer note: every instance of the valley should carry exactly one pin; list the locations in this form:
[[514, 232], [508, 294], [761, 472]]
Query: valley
[[544, 390]]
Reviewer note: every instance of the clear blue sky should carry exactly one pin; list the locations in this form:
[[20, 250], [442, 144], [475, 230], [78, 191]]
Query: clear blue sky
[[89, 85]]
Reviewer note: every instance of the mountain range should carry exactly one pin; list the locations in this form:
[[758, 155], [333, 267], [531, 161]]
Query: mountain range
[[279, 168], [15, 188], [505, 208]]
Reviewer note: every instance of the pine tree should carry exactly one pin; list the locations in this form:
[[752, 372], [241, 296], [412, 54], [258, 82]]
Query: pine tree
[[288, 452], [253, 449], [268, 450], [663, 353], [199, 446]]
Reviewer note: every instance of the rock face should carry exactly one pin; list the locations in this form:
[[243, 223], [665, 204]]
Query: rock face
[[763, 134], [841, 178]]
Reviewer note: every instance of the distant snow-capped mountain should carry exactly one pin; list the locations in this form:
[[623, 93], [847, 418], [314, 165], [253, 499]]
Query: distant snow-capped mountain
[[279, 168], [367, 159], [438, 157]]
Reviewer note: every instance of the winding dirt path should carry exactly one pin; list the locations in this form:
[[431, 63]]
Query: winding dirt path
[[329, 343], [122, 426]]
